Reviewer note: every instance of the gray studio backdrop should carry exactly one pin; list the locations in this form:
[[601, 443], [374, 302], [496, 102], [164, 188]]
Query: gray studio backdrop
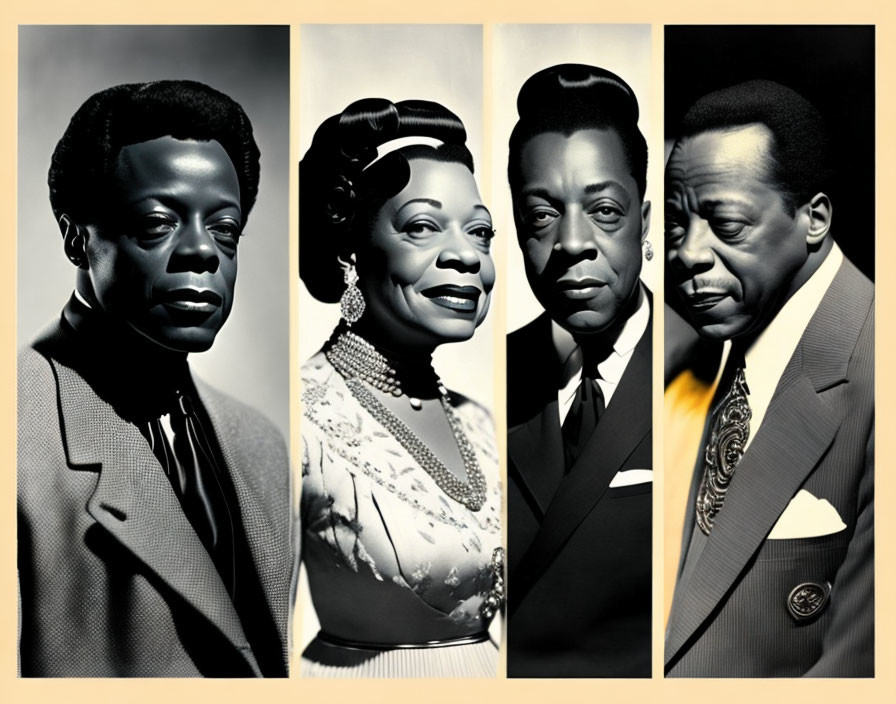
[[59, 68]]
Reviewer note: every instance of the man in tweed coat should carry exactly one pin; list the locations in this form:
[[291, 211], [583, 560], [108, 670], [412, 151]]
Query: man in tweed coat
[[153, 511], [775, 577]]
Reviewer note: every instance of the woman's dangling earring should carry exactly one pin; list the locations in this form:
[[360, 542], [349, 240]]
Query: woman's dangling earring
[[352, 302], [648, 250]]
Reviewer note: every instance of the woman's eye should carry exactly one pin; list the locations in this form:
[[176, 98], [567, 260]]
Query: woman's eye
[[420, 227], [483, 232]]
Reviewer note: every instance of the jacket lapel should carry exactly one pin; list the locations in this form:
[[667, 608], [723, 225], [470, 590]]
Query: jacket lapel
[[535, 443], [626, 422], [799, 426], [264, 533], [134, 501]]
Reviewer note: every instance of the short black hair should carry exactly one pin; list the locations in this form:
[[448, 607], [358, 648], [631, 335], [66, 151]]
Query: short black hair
[[131, 113], [338, 193], [568, 98], [799, 166]]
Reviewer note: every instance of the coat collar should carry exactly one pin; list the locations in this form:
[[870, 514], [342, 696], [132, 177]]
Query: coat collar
[[624, 425], [135, 502], [799, 426]]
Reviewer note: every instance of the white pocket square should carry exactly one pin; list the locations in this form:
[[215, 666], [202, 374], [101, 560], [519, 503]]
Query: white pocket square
[[807, 517], [631, 476]]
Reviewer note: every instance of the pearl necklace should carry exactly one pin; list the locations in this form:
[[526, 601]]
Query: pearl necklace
[[362, 365]]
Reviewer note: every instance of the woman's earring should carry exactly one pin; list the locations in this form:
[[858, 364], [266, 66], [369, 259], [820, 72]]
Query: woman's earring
[[352, 302], [648, 250]]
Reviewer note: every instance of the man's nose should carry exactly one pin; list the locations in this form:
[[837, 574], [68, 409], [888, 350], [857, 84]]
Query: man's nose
[[459, 251], [575, 236], [195, 249], [695, 250]]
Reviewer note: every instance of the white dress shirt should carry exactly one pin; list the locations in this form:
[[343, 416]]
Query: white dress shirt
[[771, 351], [610, 370]]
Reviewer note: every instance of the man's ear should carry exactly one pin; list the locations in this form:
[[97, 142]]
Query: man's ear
[[645, 219], [819, 212], [74, 239]]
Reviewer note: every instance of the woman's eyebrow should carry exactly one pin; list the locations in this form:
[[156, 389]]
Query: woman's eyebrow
[[429, 201]]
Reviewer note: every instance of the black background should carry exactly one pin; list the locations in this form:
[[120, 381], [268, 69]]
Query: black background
[[831, 66]]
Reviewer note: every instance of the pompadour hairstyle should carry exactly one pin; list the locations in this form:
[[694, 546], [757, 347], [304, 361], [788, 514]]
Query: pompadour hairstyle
[[568, 98], [337, 193], [132, 113], [798, 166]]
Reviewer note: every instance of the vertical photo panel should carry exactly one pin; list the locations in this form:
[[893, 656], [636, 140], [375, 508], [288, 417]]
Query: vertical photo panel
[[571, 140], [769, 351], [153, 508], [401, 496]]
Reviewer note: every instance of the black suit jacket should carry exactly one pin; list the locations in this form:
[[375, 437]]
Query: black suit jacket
[[579, 562], [732, 618]]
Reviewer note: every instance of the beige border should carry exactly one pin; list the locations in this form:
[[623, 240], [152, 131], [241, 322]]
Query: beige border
[[518, 691]]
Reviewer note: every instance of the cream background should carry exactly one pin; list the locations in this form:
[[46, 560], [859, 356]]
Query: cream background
[[472, 11]]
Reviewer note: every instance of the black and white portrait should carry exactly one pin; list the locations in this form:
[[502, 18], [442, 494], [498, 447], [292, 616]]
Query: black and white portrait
[[572, 134], [153, 477], [769, 404], [401, 498]]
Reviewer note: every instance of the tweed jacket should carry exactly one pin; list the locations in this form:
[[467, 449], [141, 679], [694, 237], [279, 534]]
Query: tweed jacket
[[113, 580], [734, 616]]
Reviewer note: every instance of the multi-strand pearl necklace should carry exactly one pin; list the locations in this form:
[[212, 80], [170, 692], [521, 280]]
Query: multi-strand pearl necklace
[[362, 365]]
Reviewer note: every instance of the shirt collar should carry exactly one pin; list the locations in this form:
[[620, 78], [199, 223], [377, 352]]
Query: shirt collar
[[569, 353]]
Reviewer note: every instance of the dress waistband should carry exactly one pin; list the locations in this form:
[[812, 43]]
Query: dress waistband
[[330, 639]]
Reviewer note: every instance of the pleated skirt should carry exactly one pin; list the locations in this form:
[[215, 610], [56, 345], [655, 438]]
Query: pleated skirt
[[468, 660]]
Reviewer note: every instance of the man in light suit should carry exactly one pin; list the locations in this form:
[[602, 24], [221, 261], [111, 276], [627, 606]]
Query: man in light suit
[[775, 577], [153, 511], [579, 380]]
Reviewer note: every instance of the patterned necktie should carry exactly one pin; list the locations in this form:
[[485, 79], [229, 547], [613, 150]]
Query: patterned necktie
[[729, 432], [586, 409], [198, 482]]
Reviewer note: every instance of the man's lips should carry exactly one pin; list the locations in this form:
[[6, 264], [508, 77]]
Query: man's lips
[[705, 298], [577, 287], [198, 300], [460, 298]]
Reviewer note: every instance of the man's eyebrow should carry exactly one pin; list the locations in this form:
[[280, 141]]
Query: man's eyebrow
[[602, 186], [428, 201], [174, 202]]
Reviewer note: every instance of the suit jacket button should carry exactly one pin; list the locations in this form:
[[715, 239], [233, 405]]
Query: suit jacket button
[[807, 600]]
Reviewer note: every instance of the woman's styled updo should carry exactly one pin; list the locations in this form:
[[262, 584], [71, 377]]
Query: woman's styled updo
[[341, 189], [571, 97]]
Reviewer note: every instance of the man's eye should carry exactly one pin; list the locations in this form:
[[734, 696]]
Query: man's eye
[[607, 214], [156, 225], [541, 217], [674, 233], [727, 228], [226, 232]]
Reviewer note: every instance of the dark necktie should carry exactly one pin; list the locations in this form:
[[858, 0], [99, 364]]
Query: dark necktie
[[728, 435], [586, 409], [198, 482]]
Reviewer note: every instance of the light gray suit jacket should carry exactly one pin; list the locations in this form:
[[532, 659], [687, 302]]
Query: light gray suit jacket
[[113, 579], [732, 618]]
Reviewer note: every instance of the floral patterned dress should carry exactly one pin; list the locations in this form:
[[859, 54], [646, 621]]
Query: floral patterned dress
[[391, 559]]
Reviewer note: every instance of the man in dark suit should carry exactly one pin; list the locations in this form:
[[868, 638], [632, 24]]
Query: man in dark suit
[[153, 511], [579, 380], [775, 577]]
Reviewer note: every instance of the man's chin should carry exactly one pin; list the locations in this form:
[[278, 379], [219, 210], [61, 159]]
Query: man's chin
[[183, 340], [585, 322]]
